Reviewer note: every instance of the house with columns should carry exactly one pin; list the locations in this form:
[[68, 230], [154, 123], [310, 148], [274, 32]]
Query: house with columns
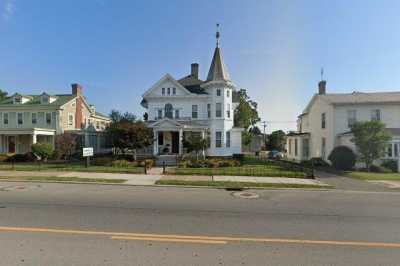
[[28, 119], [178, 108]]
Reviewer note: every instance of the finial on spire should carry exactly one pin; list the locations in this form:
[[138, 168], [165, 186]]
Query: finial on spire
[[217, 35]]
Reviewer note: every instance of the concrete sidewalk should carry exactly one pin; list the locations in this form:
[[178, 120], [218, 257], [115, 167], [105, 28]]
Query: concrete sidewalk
[[150, 179]]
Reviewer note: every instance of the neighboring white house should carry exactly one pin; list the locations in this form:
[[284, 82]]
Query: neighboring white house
[[28, 119], [178, 108], [326, 122]]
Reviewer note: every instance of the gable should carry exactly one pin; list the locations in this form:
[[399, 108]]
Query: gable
[[166, 87], [166, 123]]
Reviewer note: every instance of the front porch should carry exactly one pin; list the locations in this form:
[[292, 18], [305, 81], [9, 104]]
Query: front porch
[[20, 141], [169, 136]]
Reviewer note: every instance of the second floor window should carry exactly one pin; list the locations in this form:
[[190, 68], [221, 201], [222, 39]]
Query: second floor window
[[218, 92], [48, 118], [5, 118], [351, 117], [163, 91], [34, 118], [218, 110], [70, 120], [168, 110], [176, 113], [20, 118], [228, 110], [323, 120], [376, 115], [228, 139], [169, 91], [228, 93], [208, 110], [194, 111], [173, 91], [159, 114]]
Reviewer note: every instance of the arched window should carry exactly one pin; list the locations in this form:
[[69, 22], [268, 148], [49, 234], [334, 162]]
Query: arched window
[[168, 110]]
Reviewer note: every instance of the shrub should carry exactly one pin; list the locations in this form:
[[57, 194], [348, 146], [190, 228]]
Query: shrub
[[102, 161], [390, 164], [121, 163], [21, 158], [316, 162], [43, 150], [209, 163], [342, 158], [379, 169], [149, 163], [238, 156]]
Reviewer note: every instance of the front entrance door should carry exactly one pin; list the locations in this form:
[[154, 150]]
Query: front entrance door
[[175, 142], [11, 144]]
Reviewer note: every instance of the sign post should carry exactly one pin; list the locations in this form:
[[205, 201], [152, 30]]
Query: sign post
[[87, 152]]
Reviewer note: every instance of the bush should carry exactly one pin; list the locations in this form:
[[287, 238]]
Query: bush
[[149, 163], [21, 158], [121, 163], [379, 169], [342, 158], [316, 162], [209, 163], [390, 164], [102, 161], [43, 150], [238, 156]]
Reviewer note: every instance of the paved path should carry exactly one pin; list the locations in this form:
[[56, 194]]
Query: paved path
[[347, 183], [156, 174]]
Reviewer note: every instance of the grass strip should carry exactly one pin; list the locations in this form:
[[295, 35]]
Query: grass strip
[[231, 184], [76, 168], [64, 179], [373, 176]]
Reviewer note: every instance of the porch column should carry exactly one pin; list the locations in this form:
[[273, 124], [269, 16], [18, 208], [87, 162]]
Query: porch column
[[180, 141], [203, 136], [34, 138], [155, 143]]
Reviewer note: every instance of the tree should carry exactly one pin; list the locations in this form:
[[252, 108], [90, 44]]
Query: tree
[[117, 116], [277, 140], [126, 134], [66, 145], [371, 140], [196, 144], [42, 150], [246, 115], [3, 95]]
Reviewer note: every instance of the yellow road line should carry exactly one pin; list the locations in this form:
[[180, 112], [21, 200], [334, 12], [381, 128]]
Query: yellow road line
[[164, 239], [206, 238]]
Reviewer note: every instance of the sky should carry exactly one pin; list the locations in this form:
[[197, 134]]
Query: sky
[[274, 49]]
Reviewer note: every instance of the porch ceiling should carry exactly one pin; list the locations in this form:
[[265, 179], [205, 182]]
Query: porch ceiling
[[27, 131]]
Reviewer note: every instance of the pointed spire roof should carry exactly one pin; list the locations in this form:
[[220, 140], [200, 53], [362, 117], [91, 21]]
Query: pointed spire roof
[[218, 70]]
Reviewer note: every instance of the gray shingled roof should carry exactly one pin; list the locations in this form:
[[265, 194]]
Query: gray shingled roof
[[61, 100], [218, 70], [192, 84], [362, 97]]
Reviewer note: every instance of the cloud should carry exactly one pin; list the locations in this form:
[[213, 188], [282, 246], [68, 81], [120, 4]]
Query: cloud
[[8, 9]]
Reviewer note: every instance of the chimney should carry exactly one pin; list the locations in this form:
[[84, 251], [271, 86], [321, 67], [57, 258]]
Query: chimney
[[322, 87], [195, 70], [76, 89]]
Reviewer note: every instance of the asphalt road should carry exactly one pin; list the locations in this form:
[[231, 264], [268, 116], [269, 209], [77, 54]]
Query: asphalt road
[[60, 224]]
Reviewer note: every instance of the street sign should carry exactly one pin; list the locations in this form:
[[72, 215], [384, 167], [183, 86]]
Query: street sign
[[86, 152]]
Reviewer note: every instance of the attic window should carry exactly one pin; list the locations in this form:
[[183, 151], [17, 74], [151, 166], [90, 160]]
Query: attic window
[[45, 99], [169, 91], [17, 100]]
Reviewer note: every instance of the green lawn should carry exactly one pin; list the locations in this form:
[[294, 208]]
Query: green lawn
[[246, 170], [70, 167], [229, 184], [64, 179], [373, 176]]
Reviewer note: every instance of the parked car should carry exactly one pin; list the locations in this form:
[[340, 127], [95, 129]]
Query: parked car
[[275, 154]]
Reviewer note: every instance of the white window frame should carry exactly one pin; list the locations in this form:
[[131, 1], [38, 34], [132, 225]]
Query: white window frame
[[195, 111], [22, 119], [228, 139], [159, 114], [173, 91], [228, 110], [36, 118], [45, 118], [218, 111], [71, 122], [228, 93], [6, 117], [177, 115], [376, 115], [218, 141], [218, 92]]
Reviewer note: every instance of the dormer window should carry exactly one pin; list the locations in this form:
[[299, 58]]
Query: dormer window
[[45, 99], [18, 100], [169, 91]]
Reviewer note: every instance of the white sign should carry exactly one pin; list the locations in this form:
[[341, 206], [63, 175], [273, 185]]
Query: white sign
[[87, 152]]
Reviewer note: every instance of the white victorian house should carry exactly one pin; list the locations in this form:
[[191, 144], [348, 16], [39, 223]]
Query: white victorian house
[[177, 108], [325, 122]]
